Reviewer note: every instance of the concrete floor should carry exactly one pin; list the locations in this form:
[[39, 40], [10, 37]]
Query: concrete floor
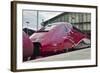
[[74, 55]]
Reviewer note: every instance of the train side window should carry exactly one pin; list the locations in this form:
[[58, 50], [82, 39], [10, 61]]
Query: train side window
[[65, 29]]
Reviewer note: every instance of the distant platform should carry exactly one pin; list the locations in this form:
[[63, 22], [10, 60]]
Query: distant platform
[[74, 55]]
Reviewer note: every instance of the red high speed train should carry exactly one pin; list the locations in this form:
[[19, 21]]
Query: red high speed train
[[56, 37], [53, 38]]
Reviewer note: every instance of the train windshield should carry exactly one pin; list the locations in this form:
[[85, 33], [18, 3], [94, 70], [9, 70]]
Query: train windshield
[[49, 27]]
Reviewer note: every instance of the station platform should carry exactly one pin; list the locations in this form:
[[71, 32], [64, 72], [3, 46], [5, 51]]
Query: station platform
[[73, 55]]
